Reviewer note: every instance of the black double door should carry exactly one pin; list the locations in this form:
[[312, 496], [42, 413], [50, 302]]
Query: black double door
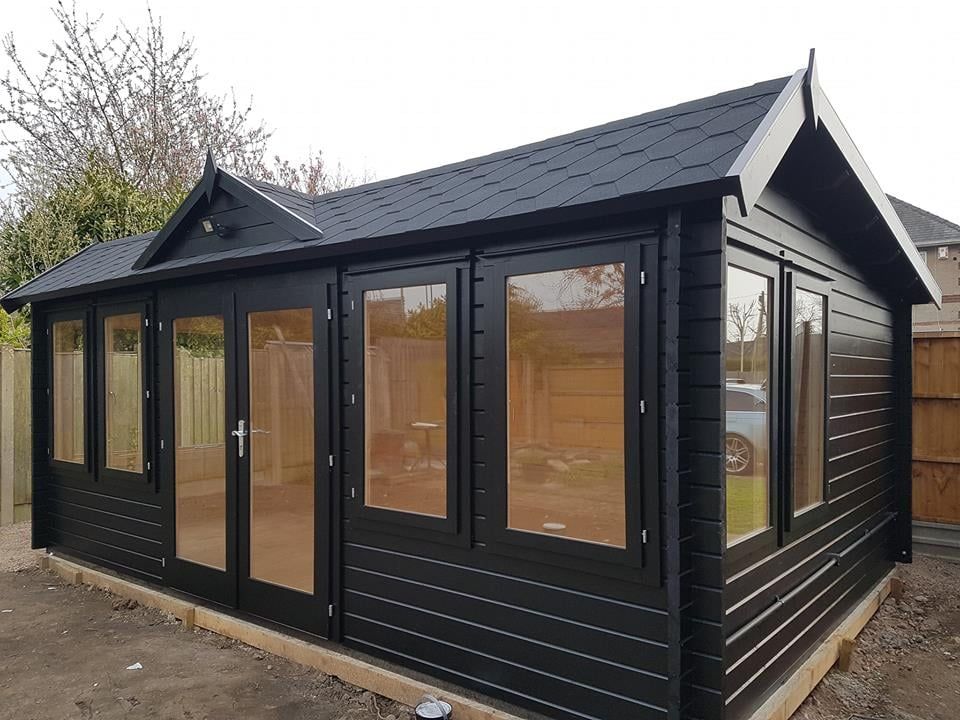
[[243, 396]]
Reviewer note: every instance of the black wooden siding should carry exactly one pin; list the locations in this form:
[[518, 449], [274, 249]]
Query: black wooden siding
[[701, 470], [247, 227], [562, 638], [861, 470], [567, 638], [107, 524]]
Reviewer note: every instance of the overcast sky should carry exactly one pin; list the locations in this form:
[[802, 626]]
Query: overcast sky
[[396, 87]]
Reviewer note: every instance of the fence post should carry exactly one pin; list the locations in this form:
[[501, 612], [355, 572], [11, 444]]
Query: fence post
[[7, 419]]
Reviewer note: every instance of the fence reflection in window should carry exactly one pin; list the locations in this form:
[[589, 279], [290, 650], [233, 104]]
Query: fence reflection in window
[[69, 391], [565, 351], [405, 391], [123, 391]]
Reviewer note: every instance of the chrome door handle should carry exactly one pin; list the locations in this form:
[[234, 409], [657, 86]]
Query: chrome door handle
[[240, 433]]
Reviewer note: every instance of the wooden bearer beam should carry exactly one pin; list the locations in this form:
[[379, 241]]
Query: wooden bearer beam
[[77, 574], [845, 657], [785, 701], [351, 670]]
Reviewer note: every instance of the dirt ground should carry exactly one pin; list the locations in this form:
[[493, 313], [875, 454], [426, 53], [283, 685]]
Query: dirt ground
[[65, 653], [907, 662]]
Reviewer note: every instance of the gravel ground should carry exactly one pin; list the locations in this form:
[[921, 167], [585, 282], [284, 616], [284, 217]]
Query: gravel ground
[[15, 552]]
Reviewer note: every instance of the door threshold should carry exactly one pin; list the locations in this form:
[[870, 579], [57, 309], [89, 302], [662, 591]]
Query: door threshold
[[352, 670]]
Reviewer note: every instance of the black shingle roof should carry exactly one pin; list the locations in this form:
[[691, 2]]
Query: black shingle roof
[[692, 143], [923, 227]]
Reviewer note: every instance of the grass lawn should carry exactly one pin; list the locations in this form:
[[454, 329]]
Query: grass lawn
[[747, 505]]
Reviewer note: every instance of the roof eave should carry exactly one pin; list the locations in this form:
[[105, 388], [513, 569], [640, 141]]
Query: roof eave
[[638, 202], [214, 177], [760, 156], [838, 133], [803, 100]]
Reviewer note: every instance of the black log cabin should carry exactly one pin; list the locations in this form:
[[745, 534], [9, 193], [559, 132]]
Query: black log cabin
[[613, 425]]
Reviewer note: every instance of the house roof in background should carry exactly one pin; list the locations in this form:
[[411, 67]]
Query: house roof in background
[[925, 228]]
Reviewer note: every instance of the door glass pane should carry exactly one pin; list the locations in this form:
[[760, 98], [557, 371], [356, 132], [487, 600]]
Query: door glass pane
[[281, 447], [405, 391], [748, 382], [123, 345], [200, 462], [69, 391], [565, 404], [809, 374]]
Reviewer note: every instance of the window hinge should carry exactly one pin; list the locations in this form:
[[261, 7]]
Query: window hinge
[[48, 452], [329, 314], [330, 460], [146, 322], [48, 392], [160, 326], [161, 444], [643, 407], [352, 305], [643, 537], [353, 493], [643, 277], [330, 610], [48, 331], [353, 399]]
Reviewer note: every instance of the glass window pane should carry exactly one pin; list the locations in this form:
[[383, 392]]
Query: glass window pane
[[123, 391], [69, 391], [748, 376], [565, 404], [405, 391], [200, 461], [809, 374], [281, 442]]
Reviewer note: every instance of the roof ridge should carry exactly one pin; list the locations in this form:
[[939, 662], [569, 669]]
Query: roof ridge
[[690, 106], [927, 213], [305, 196]]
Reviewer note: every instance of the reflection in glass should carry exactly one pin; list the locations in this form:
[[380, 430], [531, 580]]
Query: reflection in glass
[[748, 385], [565, 345], [200, 461], [281, 447], [808, 373], [69, 391], [123, 345], [405, 391]]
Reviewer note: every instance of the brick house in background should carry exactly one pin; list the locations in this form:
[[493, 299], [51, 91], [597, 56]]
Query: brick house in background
[[939, 243]]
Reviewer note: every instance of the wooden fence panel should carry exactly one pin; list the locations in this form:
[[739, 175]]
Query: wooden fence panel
[[15, 436], [936, 429]]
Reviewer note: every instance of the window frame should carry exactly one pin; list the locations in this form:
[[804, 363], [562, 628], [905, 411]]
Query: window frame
[[794, 524], [786, 526], [124, 479], [641, 460], [85, 469], [762, 542], [381, 519]]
